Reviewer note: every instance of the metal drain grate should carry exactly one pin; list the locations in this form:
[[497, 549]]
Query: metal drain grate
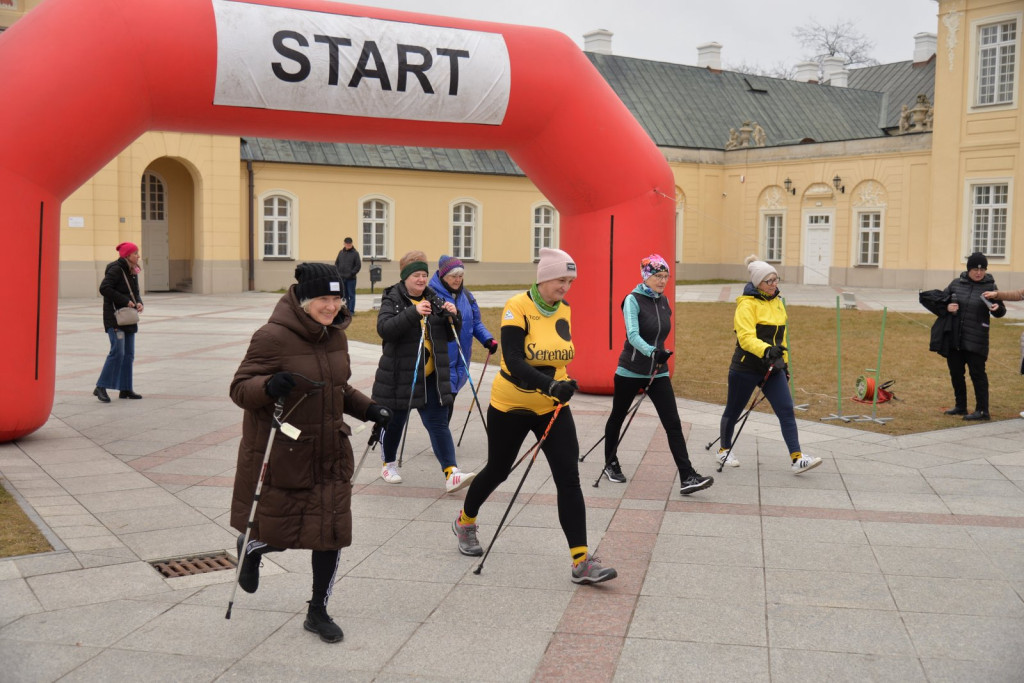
[[194, 564]]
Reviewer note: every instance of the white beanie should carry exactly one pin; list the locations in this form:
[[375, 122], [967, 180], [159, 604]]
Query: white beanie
[[759, 270], [553, 264]]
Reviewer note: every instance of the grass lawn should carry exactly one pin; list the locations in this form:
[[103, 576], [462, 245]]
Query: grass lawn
[[18, 535], [705, 342]]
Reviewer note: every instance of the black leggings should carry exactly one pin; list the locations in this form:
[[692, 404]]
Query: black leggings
[[325, 567], [664, 400], [505, 434]]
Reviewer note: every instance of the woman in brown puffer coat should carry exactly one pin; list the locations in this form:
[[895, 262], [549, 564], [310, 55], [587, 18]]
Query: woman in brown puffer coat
[[306, 497]]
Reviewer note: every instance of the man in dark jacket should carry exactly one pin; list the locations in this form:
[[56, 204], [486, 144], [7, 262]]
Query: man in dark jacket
[[348, 265], [969, 344]]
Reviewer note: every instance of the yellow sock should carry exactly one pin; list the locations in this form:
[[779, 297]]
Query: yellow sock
[[579, 553], [721, 450], [448, 472], [464, 519], [795, 456]]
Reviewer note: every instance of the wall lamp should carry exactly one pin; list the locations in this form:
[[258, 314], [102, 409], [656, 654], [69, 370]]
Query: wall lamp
[[837, 183], [789, 186]]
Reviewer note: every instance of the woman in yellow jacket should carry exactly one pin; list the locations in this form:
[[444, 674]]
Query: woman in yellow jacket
[[760, 325]]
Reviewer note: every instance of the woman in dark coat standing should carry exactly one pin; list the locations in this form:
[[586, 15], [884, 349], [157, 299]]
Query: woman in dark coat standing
[[970, 338], [120, 288], [307, 490]]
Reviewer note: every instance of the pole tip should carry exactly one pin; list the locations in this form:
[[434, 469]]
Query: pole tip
[[478, 569]]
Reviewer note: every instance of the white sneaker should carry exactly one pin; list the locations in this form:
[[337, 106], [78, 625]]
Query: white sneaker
[[389, 473], [803, 463], [1022, 413], [458, 480], [727, 458]]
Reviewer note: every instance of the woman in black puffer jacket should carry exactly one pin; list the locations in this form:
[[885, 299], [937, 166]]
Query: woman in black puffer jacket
[[415, 328], [120, 289], [970, 336]]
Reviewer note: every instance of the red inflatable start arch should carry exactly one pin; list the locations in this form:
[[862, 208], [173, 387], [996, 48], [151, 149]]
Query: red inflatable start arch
[[82, 79]]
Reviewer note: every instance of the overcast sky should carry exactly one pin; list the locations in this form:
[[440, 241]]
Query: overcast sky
[[750, 32]]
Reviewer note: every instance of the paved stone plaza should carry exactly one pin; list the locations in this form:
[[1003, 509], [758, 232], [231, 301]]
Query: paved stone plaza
[[899, 559]]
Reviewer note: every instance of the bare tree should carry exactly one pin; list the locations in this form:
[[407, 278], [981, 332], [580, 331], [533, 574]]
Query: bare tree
[[777, 70], [840, 39]]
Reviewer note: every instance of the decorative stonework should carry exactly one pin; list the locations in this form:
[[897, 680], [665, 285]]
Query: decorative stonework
[[818, 190], [870, 194], [951, 20], [750, 134], [773, 197], [917, 119]]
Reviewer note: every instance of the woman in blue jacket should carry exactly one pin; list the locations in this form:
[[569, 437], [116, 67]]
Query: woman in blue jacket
[[448, 283]]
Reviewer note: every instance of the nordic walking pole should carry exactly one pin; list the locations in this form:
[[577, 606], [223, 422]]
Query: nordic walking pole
[[451, 323], [631, 413], [536, 449], [412, 389], [374, 439], [470, 413], [275, 424], [753, 404]]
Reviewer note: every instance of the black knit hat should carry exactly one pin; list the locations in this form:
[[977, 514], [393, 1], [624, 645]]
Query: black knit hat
[[316, 279], [977, 260]]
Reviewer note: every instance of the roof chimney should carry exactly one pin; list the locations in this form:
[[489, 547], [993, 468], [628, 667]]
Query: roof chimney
[[806, 72], [840, 78], [924, 46], [830, 65], [710, 55], [599, 41]]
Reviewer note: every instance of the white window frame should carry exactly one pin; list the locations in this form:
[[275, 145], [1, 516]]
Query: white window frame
[[680, 218], [147, 200], [475, 226], [976, 61], [766, 214], [534, 227], [874, 234], [293, 225], [386, 252], [969, 216]]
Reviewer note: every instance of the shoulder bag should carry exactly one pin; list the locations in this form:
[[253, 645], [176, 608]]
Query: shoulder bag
[[127, 315]]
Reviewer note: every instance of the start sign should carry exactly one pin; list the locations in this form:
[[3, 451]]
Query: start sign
[[297, 60]]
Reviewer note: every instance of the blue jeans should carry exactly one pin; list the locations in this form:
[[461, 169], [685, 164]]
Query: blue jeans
[[434, 417], [117, 369], [350, 293]]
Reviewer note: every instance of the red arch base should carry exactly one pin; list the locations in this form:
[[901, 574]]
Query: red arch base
[[93, 75]]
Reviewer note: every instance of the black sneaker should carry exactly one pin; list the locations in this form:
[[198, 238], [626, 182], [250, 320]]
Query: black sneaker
[[978, 415], [695, 482], [955, 411], [320, 623], [249, 577], [614, 472]]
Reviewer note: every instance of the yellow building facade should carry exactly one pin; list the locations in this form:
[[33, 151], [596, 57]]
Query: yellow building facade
[[887, 211]]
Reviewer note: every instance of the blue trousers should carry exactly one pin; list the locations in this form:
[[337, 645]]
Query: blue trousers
[[434, 417], [117, 369], [776, 390], [350, 293]]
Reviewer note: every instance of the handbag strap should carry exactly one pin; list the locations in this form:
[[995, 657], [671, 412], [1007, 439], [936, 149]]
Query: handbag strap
[[131, 294]]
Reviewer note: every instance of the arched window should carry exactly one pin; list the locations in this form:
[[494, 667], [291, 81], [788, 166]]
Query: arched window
[[545, 228], [376, 227], [465, 217], [152, 197], [278, 224]]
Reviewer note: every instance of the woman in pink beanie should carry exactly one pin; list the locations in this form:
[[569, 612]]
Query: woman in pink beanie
[[536, 346], [120, 288]]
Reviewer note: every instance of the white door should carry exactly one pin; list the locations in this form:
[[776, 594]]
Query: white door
[[155, 249], [817, 248]]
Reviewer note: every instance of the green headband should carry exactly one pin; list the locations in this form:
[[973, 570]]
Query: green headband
[[413, 267]]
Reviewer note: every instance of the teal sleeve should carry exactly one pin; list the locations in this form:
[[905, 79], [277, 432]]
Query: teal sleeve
[[631, 312]]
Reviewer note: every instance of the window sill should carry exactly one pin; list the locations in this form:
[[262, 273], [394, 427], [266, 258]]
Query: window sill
[[278, 258], [867, 265]]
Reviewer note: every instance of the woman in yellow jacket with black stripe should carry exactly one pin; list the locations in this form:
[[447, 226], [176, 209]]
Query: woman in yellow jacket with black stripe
[[760, 326]]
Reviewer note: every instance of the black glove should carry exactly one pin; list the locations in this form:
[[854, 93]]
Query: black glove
[[661, 356], [379, 414], [773, 353], [492, 346], [562, 391], [280, 385]]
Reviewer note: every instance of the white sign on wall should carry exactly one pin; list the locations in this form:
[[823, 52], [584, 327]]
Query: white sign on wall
[[76, 221], [298, 60]]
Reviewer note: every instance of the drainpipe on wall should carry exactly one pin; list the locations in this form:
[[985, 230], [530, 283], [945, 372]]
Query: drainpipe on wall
[[252, 228]]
